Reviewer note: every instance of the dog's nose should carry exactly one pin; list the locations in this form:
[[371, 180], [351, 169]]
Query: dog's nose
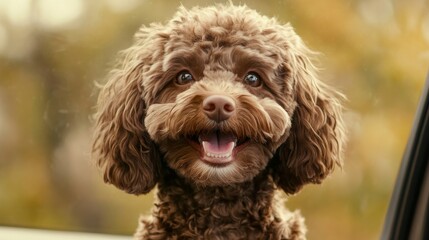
[[218, 107]]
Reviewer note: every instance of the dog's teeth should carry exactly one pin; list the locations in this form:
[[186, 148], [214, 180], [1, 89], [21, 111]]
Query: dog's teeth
[[214, 155]]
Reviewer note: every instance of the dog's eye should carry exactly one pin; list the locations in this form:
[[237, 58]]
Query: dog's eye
[[184, 77], [253, 79]]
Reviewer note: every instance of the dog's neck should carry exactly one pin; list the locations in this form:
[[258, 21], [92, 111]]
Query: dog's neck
[[238, 211], [175, 187]]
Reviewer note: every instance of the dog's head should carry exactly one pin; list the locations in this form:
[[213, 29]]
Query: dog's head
[[217, 94]]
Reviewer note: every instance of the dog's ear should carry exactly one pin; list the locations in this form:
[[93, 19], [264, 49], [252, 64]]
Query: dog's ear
[[122, 146], [314, 146]]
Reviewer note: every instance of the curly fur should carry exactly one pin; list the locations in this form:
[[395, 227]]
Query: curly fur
[[291, 124]]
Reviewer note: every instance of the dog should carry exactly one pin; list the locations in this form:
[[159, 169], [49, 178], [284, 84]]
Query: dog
[[222, 109]]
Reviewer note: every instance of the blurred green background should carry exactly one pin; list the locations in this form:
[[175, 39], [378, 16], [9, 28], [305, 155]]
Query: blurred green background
[[53, 51]]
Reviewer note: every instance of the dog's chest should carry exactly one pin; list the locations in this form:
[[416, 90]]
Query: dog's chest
[[240, 213]]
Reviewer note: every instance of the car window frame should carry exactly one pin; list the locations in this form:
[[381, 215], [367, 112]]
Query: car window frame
[[407, 215]]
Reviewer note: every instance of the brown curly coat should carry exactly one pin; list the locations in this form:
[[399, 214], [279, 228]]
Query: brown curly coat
[[287, 126]]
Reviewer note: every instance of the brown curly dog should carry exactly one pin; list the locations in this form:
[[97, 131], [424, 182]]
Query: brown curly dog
[[220, 107]]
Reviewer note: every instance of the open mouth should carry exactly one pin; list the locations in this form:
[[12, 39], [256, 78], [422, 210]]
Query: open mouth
[[217, 148]]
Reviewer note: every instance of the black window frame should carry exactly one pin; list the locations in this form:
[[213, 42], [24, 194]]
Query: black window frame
[[408, 212]]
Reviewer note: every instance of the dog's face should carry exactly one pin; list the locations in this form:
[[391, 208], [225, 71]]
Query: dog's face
[[217, 127], [217, 93], [218, 106]]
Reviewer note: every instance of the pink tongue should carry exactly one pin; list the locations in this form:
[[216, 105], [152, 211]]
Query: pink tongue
[[218, 143]]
